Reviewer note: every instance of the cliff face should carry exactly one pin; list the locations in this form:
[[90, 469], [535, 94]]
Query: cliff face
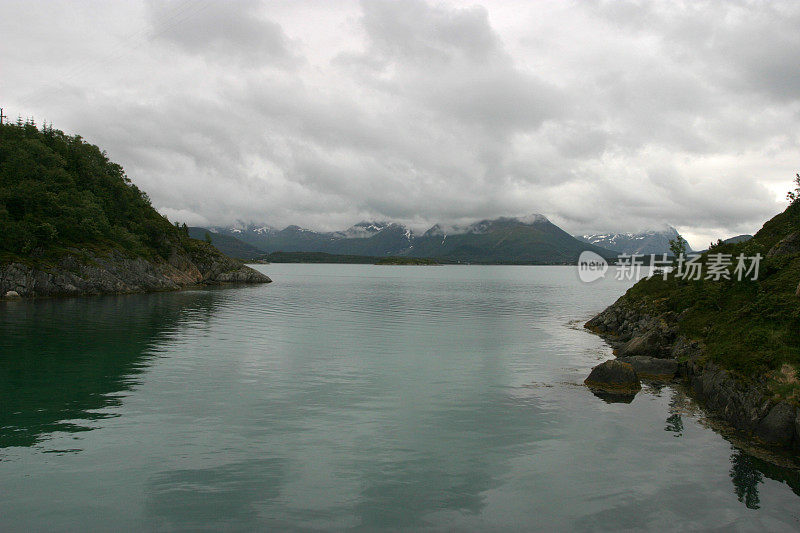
[[83, 272]]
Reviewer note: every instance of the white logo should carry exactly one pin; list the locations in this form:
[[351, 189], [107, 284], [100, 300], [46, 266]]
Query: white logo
[[591, 266]]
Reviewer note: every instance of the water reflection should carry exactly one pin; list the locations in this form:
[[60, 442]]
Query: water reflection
[[747, 471], [229, 494], [677, 405], [63, 363], [449, 465], [613, 397], [745, 477], [674, 424]]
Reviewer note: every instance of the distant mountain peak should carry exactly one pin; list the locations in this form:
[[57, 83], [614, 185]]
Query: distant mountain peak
[[650, 241], [482, 226], [364, 229]]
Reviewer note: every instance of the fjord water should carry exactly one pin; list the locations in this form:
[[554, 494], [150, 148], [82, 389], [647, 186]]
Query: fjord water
[[354, 397]]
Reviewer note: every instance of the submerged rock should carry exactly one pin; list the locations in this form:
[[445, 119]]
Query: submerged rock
[[614, 377], [652, 367]]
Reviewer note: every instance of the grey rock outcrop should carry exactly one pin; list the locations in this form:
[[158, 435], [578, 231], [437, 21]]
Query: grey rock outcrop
[[747, 406], [650, 343], [81, 273], [778, 427], [652, 368], [790, 245]]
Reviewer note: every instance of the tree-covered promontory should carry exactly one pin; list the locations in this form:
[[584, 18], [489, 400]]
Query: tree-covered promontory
[[71, 222], [58, 190]]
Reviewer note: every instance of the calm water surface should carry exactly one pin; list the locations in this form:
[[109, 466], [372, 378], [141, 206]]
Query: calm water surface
[[354, 397]]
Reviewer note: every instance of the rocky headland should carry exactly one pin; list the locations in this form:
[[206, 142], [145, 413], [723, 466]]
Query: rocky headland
[[732, 337], [73, 223], [654, 347], [87, 272]]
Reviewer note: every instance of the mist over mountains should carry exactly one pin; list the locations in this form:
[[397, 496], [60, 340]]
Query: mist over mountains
[[531, 239]]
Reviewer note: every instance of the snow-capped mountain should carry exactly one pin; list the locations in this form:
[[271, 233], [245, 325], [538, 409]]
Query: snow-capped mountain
[[482, 226], [364, 238], [647, 242], [363, 230], [243, 229], [530, 239]]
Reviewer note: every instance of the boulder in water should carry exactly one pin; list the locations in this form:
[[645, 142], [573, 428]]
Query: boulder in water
[[614, 377], [12, 295]]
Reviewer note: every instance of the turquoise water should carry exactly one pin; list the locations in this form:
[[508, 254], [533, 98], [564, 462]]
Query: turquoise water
[[354, 397]]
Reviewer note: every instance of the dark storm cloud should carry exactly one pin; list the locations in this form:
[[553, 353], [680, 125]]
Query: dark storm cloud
[[602, 115]]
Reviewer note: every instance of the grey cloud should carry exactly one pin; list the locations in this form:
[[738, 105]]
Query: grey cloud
[[222, 31], [418, 32], [606, 116]]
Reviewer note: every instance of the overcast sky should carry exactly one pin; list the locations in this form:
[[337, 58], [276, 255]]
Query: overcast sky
[[604, 116]]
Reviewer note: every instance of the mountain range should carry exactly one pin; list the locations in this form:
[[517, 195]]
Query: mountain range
[[531, 239], [525, 240]]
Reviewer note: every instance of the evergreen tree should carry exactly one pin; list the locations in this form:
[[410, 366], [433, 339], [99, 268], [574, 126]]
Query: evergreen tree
[[794, 196], [677, 247]]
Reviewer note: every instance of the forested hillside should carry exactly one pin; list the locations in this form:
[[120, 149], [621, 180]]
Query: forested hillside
[[58, 190], [748, 325], [71, 222]]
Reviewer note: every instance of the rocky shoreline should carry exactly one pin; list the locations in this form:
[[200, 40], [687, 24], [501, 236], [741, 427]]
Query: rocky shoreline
[[84, 272], [654, 348]]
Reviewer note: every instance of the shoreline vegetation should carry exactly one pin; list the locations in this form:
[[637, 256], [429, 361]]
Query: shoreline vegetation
[[734, 343], [74, 224]]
